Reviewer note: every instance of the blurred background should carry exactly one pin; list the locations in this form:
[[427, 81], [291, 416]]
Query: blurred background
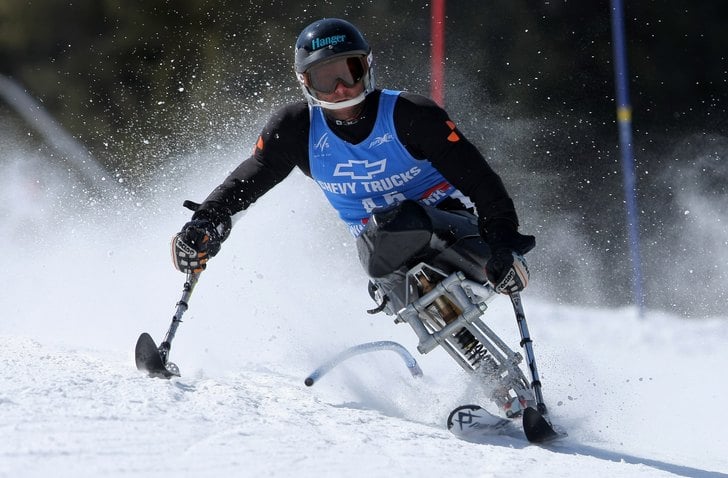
[[99, 99]]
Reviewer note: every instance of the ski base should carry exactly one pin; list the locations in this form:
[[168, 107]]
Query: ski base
[[148, 359], [475, 424]]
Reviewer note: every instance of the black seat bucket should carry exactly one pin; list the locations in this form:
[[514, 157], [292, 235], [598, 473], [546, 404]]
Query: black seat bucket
[[409, 233], [393, 237]]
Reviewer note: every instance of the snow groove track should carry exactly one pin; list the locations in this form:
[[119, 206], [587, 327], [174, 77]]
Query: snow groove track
[[74, 412]]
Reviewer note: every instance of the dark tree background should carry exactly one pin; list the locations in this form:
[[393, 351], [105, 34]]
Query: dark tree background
[[142, 82]]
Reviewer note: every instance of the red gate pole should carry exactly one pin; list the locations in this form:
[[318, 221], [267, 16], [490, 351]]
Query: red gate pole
[[437, 61]]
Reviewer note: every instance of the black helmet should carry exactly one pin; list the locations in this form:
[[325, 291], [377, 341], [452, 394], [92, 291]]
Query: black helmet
[[324, 40]]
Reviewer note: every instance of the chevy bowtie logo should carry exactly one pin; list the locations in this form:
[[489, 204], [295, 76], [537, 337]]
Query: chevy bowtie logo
[[360, 169]]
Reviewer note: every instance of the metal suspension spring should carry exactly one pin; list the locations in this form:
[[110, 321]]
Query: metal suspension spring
[[474, 350]]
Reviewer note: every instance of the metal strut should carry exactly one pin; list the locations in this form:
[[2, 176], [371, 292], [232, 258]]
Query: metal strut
[[486, 353], [527, 345], [182, 307]]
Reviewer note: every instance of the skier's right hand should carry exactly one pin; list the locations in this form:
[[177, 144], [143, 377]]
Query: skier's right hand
[[194, 245]]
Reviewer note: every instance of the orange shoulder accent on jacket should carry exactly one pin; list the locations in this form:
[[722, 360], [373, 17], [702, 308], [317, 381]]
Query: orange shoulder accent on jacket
[[453, 137]]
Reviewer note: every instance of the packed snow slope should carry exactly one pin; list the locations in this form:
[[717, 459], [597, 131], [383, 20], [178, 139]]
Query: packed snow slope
[[639, 397]]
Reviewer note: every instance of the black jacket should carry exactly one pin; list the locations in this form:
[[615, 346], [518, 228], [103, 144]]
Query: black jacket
[[423, 128]]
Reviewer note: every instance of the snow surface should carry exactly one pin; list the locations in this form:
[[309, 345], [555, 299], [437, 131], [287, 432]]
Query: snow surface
[[639, 398]]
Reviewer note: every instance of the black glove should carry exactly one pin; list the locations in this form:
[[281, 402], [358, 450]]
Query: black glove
[[194, 245], [506, 269]]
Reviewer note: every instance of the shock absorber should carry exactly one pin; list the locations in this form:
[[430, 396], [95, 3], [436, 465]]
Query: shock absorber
[[444, 306], [471, 348]]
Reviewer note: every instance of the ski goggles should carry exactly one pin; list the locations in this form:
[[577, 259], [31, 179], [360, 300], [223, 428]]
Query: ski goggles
[[349, 70]]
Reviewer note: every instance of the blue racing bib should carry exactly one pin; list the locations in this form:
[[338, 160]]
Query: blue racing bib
[[378, 172]]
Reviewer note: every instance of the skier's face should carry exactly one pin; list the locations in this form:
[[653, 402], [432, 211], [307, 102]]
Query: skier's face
[[343, 93]]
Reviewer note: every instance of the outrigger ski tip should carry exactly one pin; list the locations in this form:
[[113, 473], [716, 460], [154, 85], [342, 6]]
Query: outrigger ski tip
[[153, 359], [149, 359], [537, 428]]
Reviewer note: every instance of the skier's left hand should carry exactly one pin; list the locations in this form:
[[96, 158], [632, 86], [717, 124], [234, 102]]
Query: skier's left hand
[[507, 271]]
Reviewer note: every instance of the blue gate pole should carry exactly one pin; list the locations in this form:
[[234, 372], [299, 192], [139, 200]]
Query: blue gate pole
[[624, 119]]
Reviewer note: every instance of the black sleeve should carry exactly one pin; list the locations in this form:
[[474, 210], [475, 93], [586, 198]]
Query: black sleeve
[[281, 146], [428, 133]]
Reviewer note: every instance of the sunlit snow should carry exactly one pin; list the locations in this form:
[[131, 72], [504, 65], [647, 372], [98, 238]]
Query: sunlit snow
[[638, 397]]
